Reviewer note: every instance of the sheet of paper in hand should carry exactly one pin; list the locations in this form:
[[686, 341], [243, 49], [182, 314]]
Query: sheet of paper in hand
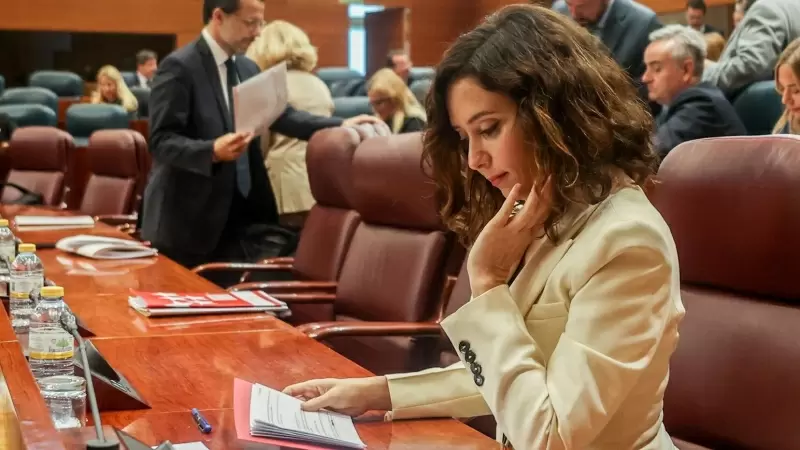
[[260, 100]]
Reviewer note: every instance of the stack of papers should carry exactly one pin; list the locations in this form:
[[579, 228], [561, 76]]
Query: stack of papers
[[271, 416], [187, 304], [101, 247], [260, 100], [43, 223]]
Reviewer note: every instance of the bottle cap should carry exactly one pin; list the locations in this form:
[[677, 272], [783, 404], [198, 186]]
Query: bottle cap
[[30, 248], [3, 222], [52, 291]]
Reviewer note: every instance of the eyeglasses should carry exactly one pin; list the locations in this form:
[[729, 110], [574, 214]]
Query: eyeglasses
[[379, 102]]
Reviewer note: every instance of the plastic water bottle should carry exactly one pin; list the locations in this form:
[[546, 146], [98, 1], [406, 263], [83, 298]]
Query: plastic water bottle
[[8, 251], [26, 275], [50, 346]]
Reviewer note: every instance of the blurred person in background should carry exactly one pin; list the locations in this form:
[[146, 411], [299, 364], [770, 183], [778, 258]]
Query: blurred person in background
[[715, 43], [696, 17], [284, 156], [394, 103], [112, 89], [787, 74], [692, 109], [146, 66], [400, 63]]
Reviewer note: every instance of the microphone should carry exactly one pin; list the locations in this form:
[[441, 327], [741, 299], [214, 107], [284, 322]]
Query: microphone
[[69, 323]]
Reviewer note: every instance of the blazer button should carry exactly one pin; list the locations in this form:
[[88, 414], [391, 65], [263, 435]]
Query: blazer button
[[470, 356], [476, 369], [479, 380], [463, 346]]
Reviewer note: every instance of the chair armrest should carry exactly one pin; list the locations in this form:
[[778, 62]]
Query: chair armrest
[[327, 287], [279, 260], [325, 330], [306, 298], [116, 219], [239, 267]]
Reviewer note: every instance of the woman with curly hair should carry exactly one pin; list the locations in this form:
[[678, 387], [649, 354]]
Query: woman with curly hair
[[541, 147]]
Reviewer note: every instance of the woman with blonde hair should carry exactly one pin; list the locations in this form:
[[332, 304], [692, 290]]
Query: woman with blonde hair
[[787, 74], [285, 157], [394, 103], [112, 89]]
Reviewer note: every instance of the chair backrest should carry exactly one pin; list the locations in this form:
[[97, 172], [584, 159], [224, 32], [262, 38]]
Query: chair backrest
[[29, 115], [38, 159], [143, 97], [84, 119], [759, 106], [733, 205], [2, 84], [30, 95], [422, 73], [113, 172], [130, 78], [396, 265], [332, 221], [346, 107], [346, 88], [332, 74], [63, 83], [420, 89]]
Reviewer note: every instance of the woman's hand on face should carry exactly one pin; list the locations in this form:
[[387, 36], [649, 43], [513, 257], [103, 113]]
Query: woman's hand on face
[[503, 241], [351, 396]]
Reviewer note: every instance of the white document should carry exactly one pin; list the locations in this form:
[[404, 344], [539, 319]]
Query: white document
[[43, 223], [102, 247], [260, 100], [274, 414]]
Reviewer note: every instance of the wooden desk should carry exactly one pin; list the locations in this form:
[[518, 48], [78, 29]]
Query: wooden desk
[[6, 330], [176, 364]]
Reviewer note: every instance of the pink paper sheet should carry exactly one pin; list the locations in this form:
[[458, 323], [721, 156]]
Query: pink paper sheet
[[241, 416]]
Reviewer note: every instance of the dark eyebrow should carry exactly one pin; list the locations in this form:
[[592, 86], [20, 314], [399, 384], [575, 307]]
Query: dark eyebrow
[[478, 116]]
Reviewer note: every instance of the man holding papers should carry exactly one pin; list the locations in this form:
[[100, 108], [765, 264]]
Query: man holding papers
[[208, 183]]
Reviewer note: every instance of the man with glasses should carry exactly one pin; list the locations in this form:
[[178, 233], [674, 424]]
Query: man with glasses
[[208, 186]]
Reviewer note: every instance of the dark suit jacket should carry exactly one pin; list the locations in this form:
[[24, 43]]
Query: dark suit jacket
[[188, 197], [625, 33], [700, 111]]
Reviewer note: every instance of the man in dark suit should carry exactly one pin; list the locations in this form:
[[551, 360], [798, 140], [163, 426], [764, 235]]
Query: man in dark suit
[[208, 186], [696, 17], [692, 109], [622, 25]]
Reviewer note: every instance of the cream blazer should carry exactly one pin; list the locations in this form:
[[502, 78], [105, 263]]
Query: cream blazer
[[575, 353], [284, 156]]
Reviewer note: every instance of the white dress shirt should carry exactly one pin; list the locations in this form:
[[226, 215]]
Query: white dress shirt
[[143, 81], [220, 56]]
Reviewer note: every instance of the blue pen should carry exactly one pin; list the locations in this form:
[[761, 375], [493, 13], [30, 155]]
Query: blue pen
[[201, 422]]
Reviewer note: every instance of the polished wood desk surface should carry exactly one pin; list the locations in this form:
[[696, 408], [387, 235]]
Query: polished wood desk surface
[[176, 364], [97, 290], [6, 330]]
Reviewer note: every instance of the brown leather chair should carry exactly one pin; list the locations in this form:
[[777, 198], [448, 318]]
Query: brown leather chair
[[112, 158], [395, 269], [328, 229], [38, 161], [733, 205]]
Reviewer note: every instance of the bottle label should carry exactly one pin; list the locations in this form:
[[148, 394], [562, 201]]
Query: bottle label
[[50, 345], [26, 285], [8, 251]]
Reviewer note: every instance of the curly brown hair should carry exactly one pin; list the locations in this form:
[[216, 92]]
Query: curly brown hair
[[581, 114]]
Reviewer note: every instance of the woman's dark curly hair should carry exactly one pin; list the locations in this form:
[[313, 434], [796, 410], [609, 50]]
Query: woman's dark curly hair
[[581, 115]]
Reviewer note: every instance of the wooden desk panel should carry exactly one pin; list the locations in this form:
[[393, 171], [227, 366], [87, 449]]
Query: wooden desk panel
[[378, 435], [31, 414], [178, 373], [6, 331]]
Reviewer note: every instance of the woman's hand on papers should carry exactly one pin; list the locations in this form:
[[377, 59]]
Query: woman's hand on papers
[[351, 396]]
